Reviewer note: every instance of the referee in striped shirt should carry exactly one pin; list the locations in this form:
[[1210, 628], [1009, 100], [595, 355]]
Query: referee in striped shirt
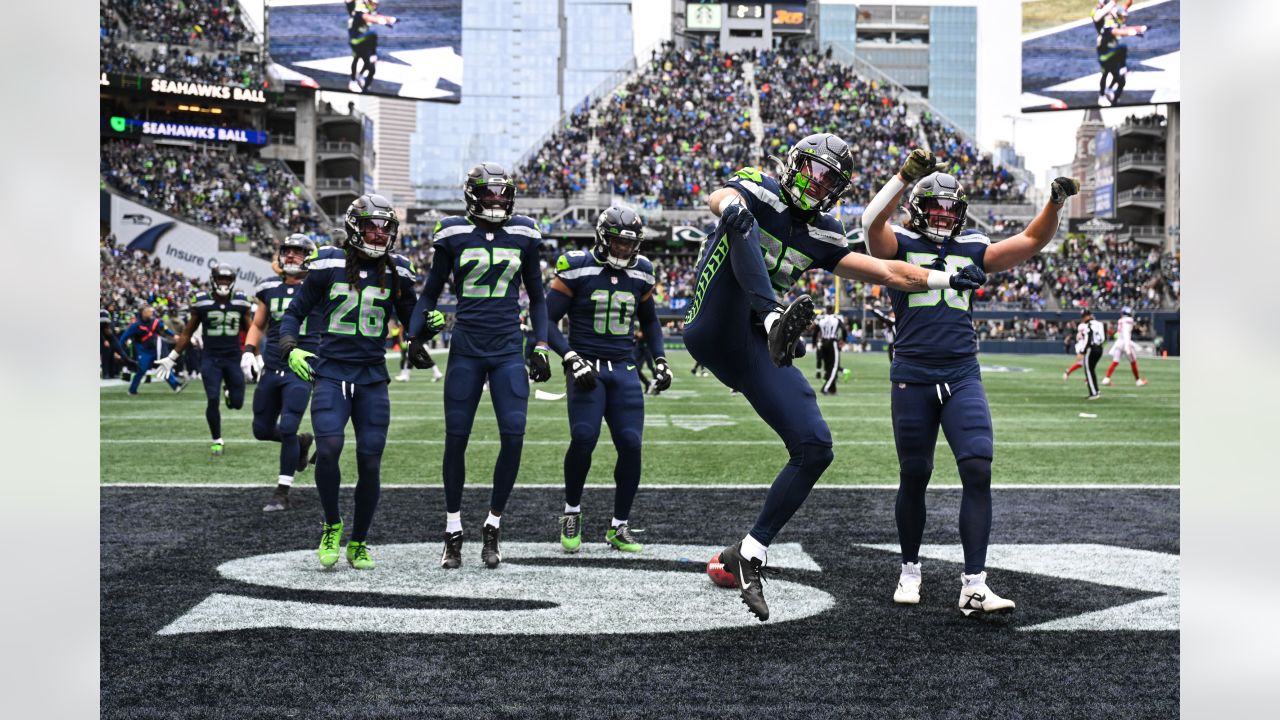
[[831, 331], [1090, 336]]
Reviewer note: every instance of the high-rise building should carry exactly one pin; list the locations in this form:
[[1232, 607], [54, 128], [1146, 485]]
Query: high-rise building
[[394, 121], [526, 63]]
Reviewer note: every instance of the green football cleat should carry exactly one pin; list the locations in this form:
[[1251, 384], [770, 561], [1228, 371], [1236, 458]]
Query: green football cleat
[[571, 532], [329, 544], [620, 538], [215, 449], [358, 555]]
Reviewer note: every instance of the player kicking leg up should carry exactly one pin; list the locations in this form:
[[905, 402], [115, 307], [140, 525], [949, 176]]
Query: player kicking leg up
[[488, 255], [603, 291], [935, 377], [281, 397], [356, 289], [786, 218]]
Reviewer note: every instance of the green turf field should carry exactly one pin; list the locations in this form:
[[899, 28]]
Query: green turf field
[[697, 432]]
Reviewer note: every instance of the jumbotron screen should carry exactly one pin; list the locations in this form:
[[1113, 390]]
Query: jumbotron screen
[[1100, 53], [398, 48]]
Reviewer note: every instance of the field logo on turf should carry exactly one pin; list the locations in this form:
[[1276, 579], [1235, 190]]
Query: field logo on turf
[[664, 590]]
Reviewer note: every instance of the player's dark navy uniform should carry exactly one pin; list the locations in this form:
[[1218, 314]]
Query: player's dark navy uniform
[[724, 334], [281, 397], [486, 264], [605, 304], [350, 366], [937, 383], [221, 321]]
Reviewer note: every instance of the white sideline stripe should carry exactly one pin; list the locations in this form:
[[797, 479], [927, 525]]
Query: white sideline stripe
[[771, 443], [682, 486]]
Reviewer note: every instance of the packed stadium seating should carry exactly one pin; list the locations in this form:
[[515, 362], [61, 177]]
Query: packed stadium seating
[[130, 280], [197, 41]]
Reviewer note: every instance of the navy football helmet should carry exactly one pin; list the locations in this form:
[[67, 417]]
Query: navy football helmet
[[223, 280], [619, 228], [296, 241], [939, 207], [490, 193], [817, 172], [372, 225]]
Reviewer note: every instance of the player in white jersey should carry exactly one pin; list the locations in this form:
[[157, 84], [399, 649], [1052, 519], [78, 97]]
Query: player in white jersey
[[1123, 347]]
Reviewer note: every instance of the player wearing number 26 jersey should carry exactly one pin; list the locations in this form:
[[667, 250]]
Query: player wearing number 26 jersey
[[357, 289], [935, 376]]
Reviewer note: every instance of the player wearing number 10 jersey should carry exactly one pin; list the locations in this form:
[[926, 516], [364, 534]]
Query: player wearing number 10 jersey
[[935, 378], [222, 313], [357, 289]]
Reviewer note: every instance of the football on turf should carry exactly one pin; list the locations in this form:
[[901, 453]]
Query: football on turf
[[718, 575]]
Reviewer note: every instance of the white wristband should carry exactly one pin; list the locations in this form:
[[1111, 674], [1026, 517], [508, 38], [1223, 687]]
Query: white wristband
[[939, 280], [882, 199], [570, 355], [173, 355]]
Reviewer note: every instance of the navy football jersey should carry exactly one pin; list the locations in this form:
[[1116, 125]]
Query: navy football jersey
[[935, 340], [221, 321], [790, 245], [602, 310], [277, 295], [353, 320], [486, 266]]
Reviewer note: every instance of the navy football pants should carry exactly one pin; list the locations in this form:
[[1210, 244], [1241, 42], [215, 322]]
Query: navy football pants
[[214, 370], [619, 399], [368, 408], [960, 409], [278, 405], [464, 380]]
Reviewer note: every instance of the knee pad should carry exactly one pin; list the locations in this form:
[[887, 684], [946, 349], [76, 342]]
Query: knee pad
[[627, 441], [289, 423], [329, 449], [583, 434], [371, 441], [916, 469], [262, 429], [814, 458], [975, 473]]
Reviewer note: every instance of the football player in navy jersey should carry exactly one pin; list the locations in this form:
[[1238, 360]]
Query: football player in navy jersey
[[604, 291], [357, 289], [486, 256], [935, 379], [281, 397], [771, 231], [221, 312]]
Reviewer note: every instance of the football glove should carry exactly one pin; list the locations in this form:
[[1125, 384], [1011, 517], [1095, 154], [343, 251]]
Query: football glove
[[970, 277], [165, 367], [661, 375], [539, 365], [299, 363], [918, 164], [435, 323], [251, 363], [1063, 188], [419, 358], [737, 218], [583, 375]]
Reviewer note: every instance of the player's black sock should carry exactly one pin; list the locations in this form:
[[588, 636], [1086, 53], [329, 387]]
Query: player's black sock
[[790, 489], [975, 512], [626, 476], [909, 510], [328, 476], [368, 490], [288, 453], [505, 470], [455, 470], [214, 416], [748, 268], [577, 463]]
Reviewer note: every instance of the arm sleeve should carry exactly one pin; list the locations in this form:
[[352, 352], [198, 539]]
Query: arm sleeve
[[441, 264], [312, 294], [537, 296], [647, 313], [557, 305]]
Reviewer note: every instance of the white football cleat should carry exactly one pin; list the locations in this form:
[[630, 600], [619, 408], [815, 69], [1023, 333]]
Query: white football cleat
[[1140, 382], [403, 376], [1106, 381], [1065, 376], [908, 592], [975, 596]]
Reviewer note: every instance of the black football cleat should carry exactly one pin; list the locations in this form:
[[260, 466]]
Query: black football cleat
[[452, 557], [788, 329], [489, 552], [304, 446], [749, 572], [279, 500]]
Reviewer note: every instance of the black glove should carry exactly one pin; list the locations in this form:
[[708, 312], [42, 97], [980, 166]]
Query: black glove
[[539, 366], [737, 218], [287, 344], [970, 277], [801, 350], [1062, 188], [583, 375], [661, 375], [419, 358]]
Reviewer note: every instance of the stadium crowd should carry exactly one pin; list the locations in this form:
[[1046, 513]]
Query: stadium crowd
[[131, 279], [210, 23], [198, 42]]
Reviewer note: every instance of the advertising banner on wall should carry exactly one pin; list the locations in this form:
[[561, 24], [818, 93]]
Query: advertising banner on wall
[[180, 246]]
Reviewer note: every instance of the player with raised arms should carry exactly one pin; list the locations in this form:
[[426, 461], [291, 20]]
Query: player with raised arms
[[281, 397], [770, 232], [935, 378], [221, 312], [604, 291], [486, 256], [356, 289]]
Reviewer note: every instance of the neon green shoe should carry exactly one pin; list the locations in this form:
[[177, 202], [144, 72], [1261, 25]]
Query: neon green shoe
[[215, 449], [358, 555], [571, 532], [329, 544], [620, 538]]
